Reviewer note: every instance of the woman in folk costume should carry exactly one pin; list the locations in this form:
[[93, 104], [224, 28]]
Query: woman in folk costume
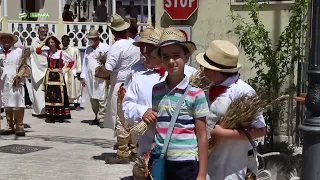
[[74, 86], [54, 85], [229, 159], [12, 81]]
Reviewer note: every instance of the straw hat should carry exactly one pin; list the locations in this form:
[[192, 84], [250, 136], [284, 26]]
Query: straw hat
[[93, 34], [7, 33], [221, 56], [149, 36], [118, 23], [173, 36]]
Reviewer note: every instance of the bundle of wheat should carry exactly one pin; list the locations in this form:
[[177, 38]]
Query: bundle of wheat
[[101, 71], [102, 58], [140, 128], [241, 112], [198, 79]]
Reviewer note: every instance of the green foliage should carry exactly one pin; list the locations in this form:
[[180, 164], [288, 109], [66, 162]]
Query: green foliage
[[274, 63]]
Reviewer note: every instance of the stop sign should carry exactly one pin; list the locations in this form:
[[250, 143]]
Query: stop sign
[[180, 9]]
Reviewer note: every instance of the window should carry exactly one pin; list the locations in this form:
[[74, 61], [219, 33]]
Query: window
[[241, 2]]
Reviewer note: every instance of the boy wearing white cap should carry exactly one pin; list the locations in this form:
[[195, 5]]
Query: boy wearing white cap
[[229, 160]]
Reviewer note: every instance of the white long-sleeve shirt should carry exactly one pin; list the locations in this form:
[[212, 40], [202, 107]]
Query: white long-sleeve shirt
[[138, 99], [122, 55], [95, 86]]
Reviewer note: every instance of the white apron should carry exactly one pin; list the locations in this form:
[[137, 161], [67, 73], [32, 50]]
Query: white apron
[[12, 97]]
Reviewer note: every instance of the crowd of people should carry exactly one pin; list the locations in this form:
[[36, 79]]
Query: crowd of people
[[139, 78], [101, 12]]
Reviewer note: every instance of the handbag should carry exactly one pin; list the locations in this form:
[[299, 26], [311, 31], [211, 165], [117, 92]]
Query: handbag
[[158, 166]]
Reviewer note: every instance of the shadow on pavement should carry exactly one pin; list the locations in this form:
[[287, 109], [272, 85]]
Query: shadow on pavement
[[103, 156], [127, 178], [104, 143]]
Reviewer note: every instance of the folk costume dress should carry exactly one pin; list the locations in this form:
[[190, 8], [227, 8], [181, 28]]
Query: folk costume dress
[[54, 85]]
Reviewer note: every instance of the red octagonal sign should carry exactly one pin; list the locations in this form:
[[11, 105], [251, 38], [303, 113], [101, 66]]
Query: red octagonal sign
[[180, 9]]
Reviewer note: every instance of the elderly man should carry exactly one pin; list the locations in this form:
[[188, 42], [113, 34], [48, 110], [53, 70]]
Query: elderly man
[[39, 67], [97, 87]]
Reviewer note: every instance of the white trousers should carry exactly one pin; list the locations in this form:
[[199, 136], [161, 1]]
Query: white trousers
[[110, 117]]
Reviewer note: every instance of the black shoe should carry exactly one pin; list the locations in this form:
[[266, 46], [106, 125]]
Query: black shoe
[[117, 160], [50, 121], [61, 121], [101, 125], [20, 133]]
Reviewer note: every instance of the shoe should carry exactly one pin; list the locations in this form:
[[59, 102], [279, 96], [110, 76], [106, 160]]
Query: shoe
[[50, 121], [101, 125], [18, 121], [117, 160]]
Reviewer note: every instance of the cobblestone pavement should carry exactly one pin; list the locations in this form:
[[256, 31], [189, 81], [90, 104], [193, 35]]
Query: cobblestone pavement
[[76, 151]]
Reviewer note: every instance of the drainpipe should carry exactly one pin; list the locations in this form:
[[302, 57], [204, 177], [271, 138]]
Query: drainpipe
[[149, 13], [310, 127], [60, 25], [5, 16], [114, 8]]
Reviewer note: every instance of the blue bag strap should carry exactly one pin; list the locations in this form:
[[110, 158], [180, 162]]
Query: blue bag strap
[[173, 121]]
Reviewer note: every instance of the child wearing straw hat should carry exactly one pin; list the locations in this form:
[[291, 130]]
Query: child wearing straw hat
[[137, 101], [121, 56], [229, 159], [12, 81], [187, 151]]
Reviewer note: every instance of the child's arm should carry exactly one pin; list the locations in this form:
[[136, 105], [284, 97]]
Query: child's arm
[[232, 134], [202, 139], [256, 129], [201, 110]]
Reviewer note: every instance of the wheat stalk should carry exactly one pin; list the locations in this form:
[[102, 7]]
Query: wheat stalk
[[198, 79], [102, 58], [140, 128], [242, 110]]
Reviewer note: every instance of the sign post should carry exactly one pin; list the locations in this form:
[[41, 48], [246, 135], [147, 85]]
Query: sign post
[[180, 9]]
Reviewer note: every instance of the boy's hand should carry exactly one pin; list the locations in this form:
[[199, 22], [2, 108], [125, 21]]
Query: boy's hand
[[150, 116]]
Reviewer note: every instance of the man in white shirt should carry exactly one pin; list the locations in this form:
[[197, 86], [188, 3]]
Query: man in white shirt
[[97, 87], [122, 55], [39, 67]]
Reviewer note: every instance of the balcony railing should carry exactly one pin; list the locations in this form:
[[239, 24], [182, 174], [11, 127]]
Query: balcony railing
[[26, 31]]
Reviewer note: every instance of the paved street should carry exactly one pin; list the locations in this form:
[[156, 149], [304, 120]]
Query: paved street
[[76, 151]]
